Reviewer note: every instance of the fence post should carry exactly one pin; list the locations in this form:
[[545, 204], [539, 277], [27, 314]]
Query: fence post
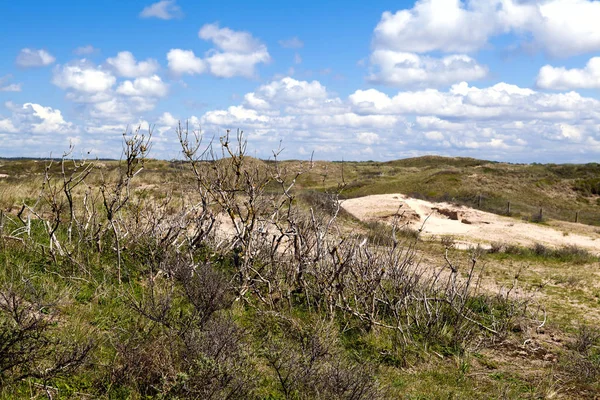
[[508, 208], [576, 216], [541, 214]]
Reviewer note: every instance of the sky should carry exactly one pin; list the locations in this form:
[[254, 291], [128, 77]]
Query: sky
[[506, 80]]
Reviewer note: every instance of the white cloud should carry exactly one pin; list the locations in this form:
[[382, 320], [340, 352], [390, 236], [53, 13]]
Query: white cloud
[[565, 27], [46, 119], [185, 62], [167, 119], [146, 86], [34, 58], [85, 50], [83, 76], [501, 121], [561, 78], [571, 132], [238, 52], [125, 64], [165, 9], [228, 65], [31, 118], [463, 102], [367, 138], [434, 25], [434, 135], [408, 69], [8, 87], [7, 126], [559, 27], [102, 99], [287, 91], [432, 122], [229, 40], [120, 110], [13, 87], [291, 43]]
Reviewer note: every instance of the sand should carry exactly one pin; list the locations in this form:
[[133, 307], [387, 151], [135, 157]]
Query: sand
[[469, 226]]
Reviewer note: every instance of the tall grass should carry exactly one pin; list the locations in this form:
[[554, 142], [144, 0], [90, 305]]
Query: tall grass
[[230, 285]]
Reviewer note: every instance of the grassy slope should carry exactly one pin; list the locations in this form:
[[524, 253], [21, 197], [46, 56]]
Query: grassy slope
[[501, 373], [462, 180]]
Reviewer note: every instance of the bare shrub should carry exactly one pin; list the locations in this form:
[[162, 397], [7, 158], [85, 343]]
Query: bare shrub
[[583, 362], [448, 241], [29, 346], [540, 250], [497, 247], [191, 286], [308, 362], [199, 353]]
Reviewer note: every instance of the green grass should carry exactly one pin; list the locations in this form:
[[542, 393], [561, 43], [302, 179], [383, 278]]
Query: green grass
[[141, 353]]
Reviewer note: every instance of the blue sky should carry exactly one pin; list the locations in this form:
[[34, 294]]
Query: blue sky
[[513, 80]]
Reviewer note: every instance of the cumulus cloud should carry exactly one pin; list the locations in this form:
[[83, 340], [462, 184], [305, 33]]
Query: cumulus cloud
[[291, 43], [125, 65], [289, 92], [561, 28], [5, 86], [236, 53], [31, 118], [165, 9], [367, 138], [146, 86], [185, 62], [167, 119], [229, 40], [408, 69], [83, 76], [101, 97], [502, 120], [28, 58], [561, 78], [445, 25], [564, 27], [7, 126]]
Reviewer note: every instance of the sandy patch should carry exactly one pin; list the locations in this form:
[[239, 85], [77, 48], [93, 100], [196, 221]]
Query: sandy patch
[[467, 225]]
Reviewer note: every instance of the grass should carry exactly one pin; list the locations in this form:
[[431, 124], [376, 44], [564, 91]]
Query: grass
[[555, 188], [135, 326], [570, 254]]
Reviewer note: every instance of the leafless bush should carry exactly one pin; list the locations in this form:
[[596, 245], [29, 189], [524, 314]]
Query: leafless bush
[[583, 361], [275, 259], [29, 347], [200, 353], [587, 338], [281, 253], [497, 247], [308, 362]]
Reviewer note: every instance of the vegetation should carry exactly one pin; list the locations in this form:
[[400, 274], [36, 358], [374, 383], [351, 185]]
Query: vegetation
[[560, 190], [223, 276]]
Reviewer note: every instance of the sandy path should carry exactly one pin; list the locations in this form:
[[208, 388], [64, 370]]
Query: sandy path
[[467, 225]]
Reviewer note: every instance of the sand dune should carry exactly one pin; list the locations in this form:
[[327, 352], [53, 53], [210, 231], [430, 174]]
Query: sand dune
[[467, 225]]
